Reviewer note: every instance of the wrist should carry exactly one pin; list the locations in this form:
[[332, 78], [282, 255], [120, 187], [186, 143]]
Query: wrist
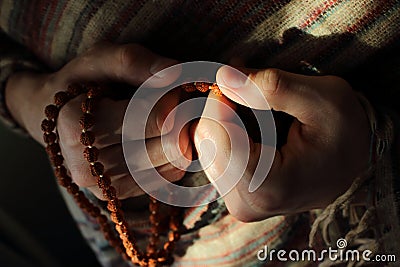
[[25, 99]]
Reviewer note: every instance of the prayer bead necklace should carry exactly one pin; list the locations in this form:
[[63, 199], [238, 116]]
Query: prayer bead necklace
[[124, 242]]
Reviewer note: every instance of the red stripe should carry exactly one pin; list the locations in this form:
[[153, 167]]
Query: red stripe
[[317, 13], [42, 39], [56, 26]]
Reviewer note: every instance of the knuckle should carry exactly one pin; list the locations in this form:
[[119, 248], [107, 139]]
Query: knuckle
[[126, 56], [271, 80]]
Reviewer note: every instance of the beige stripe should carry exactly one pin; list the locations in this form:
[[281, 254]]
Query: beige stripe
[[5, 10], [232, 241], [64, 31], [346, 14], [291, 15], [273, 27], [101, 22], [368, 41], [383, 31]]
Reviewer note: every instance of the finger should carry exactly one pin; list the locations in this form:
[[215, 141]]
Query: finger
[[127, 187], [138, 126], [107, 127], [129, 63], [154, 152], [298, 95], [113, 160]]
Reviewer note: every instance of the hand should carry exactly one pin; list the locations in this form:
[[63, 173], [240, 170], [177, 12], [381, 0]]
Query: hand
[[27, 94], [327, 144]]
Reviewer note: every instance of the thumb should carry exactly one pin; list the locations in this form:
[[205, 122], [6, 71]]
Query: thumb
[[223, 146], [294, 94]]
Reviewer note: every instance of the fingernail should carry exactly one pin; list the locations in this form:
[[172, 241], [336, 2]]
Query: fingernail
[[232, 78], [159, 65]]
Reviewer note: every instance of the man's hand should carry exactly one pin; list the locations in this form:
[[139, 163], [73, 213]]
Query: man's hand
[[327, 144], [27, 94]]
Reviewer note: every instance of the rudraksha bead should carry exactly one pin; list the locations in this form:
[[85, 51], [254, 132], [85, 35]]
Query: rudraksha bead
[[202, 87], [110, 193], [103, 182], [61, 98], [48, 125], [61, 172], [73, 189], [114, 205], [51, 112], [86, 121], [97, 169], [91, 154], [88, 105], [87, 138], [57, 160], [74, 90], [53, 149], [49, 138], [189, 87]]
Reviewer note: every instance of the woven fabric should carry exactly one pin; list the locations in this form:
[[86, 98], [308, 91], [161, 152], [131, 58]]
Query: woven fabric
[[357, 40]]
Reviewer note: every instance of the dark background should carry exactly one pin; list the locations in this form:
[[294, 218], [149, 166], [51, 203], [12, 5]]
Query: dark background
[[35, 226]]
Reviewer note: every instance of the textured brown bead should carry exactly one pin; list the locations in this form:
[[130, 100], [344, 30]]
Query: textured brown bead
[[103, 182], [61, 98], [114, 205], [215, 89], [61, 172], [154, 206], [73, 189], [202, 86], [110, 193], [154, 218], [121, 228], [102, 219], [57, 160], [173, 236], [117, 216], [94, 90], [97, 169], [53, 149], [189, 87], [87, 138], [152, 263], [88, 105], [51, 112], [169, 246], [80, 196], [86, 121], [91, 154], [151, 251], [49, 138], [95, 211], [64, 182], [75, 89], [48, 125]]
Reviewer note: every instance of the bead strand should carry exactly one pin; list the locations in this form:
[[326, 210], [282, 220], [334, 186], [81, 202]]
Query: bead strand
[[124, 244]]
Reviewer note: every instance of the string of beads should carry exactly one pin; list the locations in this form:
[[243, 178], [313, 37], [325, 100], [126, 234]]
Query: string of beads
[[123, 241]]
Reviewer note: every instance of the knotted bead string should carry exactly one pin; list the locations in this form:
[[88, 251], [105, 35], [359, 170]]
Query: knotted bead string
[[125, 244]]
